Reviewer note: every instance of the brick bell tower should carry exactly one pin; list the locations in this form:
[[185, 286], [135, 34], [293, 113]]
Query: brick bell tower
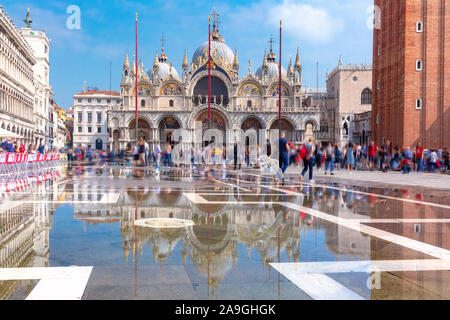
[[411, 72]]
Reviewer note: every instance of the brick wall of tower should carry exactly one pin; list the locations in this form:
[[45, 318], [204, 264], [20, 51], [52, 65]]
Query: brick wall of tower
[[401, 84]]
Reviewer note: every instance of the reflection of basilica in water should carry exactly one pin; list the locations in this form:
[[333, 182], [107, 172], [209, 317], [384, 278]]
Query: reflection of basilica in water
[[212, 243], [167, 101]]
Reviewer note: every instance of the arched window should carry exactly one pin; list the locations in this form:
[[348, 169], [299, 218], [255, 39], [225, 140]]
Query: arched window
[[419, 65], [418, 103], [366, 96], [419, 26], [249, 103], [126, 72], [171, 103], [142, 103]]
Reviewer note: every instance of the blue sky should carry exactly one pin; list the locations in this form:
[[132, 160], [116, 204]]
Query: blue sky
[[322, 29]]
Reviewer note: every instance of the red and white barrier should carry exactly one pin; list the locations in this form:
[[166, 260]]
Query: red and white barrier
[[13, 163]]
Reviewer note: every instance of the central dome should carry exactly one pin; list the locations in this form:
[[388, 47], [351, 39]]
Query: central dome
[[219, 50]]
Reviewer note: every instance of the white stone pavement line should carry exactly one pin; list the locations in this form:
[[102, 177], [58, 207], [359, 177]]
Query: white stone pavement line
[[322, 287], [422, 247], [425, 248], [56, 283], [195, 198], [231, 185], [310, 276], [368, 266], [359, 192]]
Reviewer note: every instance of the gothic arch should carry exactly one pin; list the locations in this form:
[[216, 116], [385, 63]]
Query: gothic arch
[[285, 117], [260, 120], [314, 123], [198, 110], [168, 114]]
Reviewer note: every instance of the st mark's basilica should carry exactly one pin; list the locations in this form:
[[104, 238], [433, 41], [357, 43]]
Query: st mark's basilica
[[168, 101]]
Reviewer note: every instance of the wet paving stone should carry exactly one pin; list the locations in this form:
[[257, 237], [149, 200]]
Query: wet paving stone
[[250, 239]]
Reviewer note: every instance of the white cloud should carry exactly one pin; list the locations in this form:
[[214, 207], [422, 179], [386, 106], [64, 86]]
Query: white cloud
[[304, 21]]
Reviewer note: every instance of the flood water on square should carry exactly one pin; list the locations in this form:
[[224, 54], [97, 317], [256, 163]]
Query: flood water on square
[[243, 227]]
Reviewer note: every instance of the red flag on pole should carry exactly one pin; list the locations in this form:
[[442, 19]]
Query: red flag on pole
[[137, 70], [279, 85], [209, 71]]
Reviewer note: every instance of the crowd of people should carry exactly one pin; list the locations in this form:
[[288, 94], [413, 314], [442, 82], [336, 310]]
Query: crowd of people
[[313, 156], [8, 146], [362, 157]]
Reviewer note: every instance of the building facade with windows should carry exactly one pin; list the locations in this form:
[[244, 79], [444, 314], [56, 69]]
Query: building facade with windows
[[40, 44], [411, 73], [349, 92], [16, 81], [168, 100], [59, 115], [90, 114]]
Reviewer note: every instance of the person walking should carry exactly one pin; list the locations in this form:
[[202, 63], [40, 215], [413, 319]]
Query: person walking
[[147, 152], [419, 157], [318, 156], [350, 157], [157, 153], [445, 158], [136, 153], [406, 160], [128, 155], [337, 157], [372, 152], [235, 156], [308, 160], [284, 152], [433, 160], [329, 158]]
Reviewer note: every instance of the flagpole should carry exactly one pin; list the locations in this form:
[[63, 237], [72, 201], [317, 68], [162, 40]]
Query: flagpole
[[209, 73], [137, 70], [279, 87]]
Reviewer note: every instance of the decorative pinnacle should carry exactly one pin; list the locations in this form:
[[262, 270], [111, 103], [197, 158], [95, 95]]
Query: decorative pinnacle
[[28, 20]]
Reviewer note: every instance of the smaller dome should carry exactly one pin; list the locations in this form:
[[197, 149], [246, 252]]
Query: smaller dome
[[272, 70], [165, 69]]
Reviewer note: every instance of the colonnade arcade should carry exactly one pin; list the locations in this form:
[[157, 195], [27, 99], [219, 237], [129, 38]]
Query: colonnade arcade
[[159, 127]]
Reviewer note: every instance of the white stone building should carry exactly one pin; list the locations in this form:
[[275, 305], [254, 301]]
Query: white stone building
[[90, 112], [16, 81], [349, 92], [40, 44], [167, 100]]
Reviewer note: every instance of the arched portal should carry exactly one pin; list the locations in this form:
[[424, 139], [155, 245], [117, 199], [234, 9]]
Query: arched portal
[[218, 121], [143, 129], [167, 126], [219, 92], [251, 123], [99, 144], [286, 126]]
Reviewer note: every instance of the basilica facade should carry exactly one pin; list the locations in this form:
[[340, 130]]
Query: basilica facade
[[168, 100]]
